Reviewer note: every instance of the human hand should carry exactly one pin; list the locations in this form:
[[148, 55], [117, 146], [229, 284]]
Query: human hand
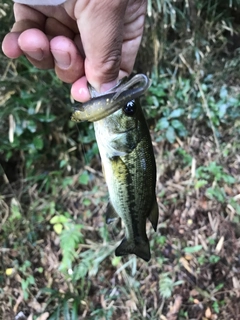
[[49, 36]]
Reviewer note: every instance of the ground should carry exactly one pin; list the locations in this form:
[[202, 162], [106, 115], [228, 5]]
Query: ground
[[195, 265]]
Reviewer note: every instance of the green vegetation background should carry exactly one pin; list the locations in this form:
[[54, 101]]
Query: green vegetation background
[[56, 253]]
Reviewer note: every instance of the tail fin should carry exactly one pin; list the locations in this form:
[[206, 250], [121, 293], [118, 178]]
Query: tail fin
[[153, 216], [139, 248]]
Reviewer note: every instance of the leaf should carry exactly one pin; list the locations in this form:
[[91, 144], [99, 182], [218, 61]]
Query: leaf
[[222, 110], [115, 261], [80, 271], [58, 227], [214, 259], [31, 280], [166, 286], [70, 237], [200, 183], [170, 134], [75, 308], [45, 118], [176, 124], [223, 93], [15, 210], [67, 181], [66, 312], [59, 219], [215, 306], [24, 286], [176, 113], [216, 193], [9, 271], [86, 202], [84, 178], [158, 91], [196, 112], [38, 143], [32, 126], [228, 179], [154, 101], [204, 87], [162, 124], [63, 163], [192, 249]]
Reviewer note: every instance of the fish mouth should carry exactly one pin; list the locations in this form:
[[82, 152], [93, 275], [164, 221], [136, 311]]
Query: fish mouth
[[116, 98]]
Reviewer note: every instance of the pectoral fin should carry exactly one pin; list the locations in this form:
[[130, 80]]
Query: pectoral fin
[[111, 214], [153, 216], [140, 249]]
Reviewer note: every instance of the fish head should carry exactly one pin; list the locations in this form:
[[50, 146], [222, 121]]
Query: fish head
[[125, 119], [119, 133]]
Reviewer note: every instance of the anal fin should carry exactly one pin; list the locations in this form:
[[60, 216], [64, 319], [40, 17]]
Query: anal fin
[[153, 215]]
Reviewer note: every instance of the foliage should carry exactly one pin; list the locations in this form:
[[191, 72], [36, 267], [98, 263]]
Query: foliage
[[175, 103], [166, 285]]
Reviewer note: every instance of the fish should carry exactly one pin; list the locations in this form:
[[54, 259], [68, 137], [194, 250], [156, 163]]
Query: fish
[[128, 161]]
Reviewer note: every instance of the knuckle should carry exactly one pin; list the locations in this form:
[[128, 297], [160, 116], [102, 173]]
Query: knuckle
[[111, 63], [108, 67]]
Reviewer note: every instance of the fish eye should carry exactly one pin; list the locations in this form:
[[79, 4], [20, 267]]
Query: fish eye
[[130, 108]]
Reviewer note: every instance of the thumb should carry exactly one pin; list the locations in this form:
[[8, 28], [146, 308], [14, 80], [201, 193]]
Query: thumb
[[101, 28]]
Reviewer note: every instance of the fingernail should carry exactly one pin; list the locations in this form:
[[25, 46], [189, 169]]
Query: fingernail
[[62, 59], [107, 86], [37, 55]]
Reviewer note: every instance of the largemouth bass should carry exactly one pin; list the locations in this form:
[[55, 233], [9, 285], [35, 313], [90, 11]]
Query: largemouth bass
[[128, 161]]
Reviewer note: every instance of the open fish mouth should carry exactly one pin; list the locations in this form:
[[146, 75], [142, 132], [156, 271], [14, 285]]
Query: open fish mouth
[[101, 106]]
